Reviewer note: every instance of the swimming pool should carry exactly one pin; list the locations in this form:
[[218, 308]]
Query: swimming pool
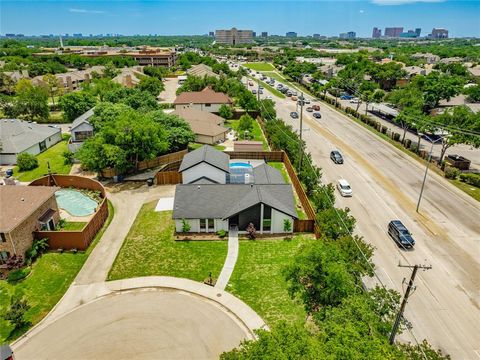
[[240, 164], [75, 203]]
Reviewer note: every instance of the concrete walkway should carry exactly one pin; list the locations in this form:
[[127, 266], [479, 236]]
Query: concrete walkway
[[230, 261]]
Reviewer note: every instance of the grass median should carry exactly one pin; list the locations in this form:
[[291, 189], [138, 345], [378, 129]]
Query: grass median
[[150, 249], [274, 91], [260, 66]]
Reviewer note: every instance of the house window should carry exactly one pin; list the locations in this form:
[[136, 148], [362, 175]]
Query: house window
[[3, 237], [203, 224], [83, 135], [4, 255], [211, 225], [42, 145], [208, 105]]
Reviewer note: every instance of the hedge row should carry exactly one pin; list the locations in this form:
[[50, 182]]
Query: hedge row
[[470, 178]]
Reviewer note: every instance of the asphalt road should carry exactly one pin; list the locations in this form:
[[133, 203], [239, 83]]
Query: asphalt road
[[140, 324], [386, 182]]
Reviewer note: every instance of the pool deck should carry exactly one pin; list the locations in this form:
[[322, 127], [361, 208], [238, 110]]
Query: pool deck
[[66, 215], [254, 163]]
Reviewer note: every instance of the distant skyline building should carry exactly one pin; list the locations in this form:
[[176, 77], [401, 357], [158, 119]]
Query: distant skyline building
[[234, 36], [316, 36], [376, 33], [291, 34], [264, 34], [211, 34], [254, 34], [348, 35], [409, 34], [439, 33], [393, 32], [418, 31]]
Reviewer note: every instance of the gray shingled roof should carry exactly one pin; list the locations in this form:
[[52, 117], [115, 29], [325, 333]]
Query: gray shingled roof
[[18, 135], [265, 174], [81, 119], [221, 201], [207, 154]]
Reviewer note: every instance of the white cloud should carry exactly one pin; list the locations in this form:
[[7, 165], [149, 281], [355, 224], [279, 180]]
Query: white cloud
[[402, 2], [361, 11], [85, 11]]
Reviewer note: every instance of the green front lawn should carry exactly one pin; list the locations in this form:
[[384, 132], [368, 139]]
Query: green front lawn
[[195, 146], [54, 155], [256, 133], [50, 277], [73, 226], [150, 249], [260, 66], [258, 280]]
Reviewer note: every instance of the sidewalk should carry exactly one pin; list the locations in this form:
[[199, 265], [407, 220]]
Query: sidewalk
[[230, 261]]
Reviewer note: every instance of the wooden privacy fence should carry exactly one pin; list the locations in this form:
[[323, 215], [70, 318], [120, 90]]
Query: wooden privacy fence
[[80, 239], [148, 164], [303, 225], [168, 178], [276, 156]]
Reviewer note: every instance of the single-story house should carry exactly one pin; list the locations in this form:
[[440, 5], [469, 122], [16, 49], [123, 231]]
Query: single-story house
[[30, 208], [129, 77], [81, 130], [205, 100], [201, 70], [72, 80], [19, 136], [218, 193], [207, 127]]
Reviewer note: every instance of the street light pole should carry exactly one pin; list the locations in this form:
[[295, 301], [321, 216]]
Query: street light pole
[[426, 170]]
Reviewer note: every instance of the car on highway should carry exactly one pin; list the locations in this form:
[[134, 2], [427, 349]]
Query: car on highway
[[346, 97], [250, 83], [317, 115], [294, 93], [316, 107], [279, 86], [355, 101], [294, 98], [309, 109], [289, 93], [294, 115], [344, 188], [254, 91], [260, 91], [260, 87], [336, 157], [399, 233]]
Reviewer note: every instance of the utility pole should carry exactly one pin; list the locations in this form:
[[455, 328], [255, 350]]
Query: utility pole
[[301, 129], [426, 171], [405, 298], [258, 90]]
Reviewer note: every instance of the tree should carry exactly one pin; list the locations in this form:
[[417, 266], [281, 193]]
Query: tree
[[225, 111], [151, 85], [245, 123], [75, 104], [335, 223], [7, 84], [31, 101], [462, 126], [110, 71], [16, 313], [267, 109], [323, 197], [53, 86], [26, 161], [179, 133]]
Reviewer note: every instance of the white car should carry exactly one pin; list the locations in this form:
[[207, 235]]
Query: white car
[[344, 187], [355, 101]]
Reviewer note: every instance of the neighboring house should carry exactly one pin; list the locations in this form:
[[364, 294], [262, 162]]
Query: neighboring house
[[81, 130], [208, 127], [19, 136], [205, 100], [129, 77], [202, 70], [30, 208], [17, 75], [217, 195], [72, 80]]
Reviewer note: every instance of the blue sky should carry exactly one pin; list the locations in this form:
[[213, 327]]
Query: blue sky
[[329, 18]]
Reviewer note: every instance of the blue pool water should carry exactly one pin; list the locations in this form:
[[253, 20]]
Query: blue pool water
[[75, 203], [239, 164]]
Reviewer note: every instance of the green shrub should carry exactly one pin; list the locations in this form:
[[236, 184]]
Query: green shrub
[[451, 173], [16, 275], [408, 143], [287, 225], [26, 161], [186, 226], [221, 233], [384, 129], [396, 136], [68, 157], [472, 179]]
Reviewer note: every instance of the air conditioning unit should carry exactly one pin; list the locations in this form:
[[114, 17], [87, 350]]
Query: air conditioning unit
[[248, 179]]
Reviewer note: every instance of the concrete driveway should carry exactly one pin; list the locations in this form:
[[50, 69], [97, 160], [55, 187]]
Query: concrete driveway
[[169, 94], [147, 323]]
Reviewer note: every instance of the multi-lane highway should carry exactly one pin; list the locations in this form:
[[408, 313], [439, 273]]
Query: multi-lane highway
[[386, 182]]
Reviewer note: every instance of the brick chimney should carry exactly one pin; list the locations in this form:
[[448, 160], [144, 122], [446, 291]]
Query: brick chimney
[[87, 77], [69, 83], [128, 81]]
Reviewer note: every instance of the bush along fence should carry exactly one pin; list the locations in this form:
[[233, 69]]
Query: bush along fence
[[79, 239]]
